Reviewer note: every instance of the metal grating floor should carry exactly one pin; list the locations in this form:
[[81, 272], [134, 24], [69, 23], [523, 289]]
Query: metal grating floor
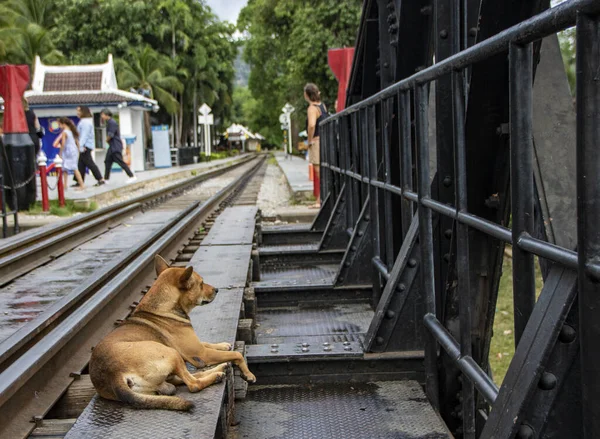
[[334, 323], [305, 274], [380, 410]]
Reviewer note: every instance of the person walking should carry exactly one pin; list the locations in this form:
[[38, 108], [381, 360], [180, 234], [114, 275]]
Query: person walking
[[33, 125], [315, 114], [115, 149], [87, 143], [68, 142]]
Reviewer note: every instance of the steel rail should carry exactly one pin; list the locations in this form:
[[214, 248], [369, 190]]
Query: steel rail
[[24, 253], [54, 346], [23, 337]]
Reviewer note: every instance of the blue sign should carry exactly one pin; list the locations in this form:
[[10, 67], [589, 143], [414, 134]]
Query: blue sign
[[52, 131]]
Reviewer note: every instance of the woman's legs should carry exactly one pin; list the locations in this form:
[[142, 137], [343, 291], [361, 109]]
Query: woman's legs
[[317, 186], [79, 179]]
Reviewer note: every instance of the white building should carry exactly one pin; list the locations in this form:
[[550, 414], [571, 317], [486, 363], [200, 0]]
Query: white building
[[57, 91]]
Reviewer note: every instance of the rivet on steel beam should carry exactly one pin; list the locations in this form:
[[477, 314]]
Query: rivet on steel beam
[[360, 233], [412, 263], [274, 351], [567, 334], [443, 34], [76, 375], [447, 257], [367, 217], [473, 32], [305, 350], [326, 343], [38, 420], [525, 432], [547, 381], [347, 348], [401, 287], [426, 10], [305, 345], [327, 348], [346, 343], [447, 181], [379, 340], [275, 346], [389, 314], [347, 263], [448, 233], [353, 248]]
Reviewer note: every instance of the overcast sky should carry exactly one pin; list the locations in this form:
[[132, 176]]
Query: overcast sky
[[227, 9]]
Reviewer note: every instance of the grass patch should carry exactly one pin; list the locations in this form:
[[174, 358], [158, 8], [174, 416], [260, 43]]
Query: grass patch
[[69, 209], [502, 348], [272, 160]]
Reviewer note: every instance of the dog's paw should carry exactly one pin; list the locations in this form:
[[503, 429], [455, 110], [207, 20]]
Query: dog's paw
[[221, 367], [224, 346], [220, 377], [250, 378]]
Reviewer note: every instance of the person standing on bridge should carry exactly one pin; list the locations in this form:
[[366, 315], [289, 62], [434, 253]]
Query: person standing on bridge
[[115, 148], [315, 114], [87, 143]]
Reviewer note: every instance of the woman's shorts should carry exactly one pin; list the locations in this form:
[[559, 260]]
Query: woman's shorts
[[314, 152]]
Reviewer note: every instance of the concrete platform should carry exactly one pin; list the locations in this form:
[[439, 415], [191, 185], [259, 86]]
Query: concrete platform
[[296, 172], [118, 186]]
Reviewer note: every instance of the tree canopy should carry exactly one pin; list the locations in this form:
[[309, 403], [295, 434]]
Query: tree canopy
[[286, 46]]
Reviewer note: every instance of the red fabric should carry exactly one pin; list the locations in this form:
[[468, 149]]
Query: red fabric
[[340, 63], [13, 83], [317, 185]]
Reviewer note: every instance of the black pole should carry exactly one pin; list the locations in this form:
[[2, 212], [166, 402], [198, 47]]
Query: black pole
[[521, 181], [427, 269], [588, 214]]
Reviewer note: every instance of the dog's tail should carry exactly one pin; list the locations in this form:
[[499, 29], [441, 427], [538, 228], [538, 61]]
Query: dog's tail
[[142, 401]]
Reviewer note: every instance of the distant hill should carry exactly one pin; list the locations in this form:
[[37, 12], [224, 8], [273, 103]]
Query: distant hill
[[242, 70]]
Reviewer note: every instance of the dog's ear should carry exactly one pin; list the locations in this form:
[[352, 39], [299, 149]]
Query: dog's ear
[[184, 280], [160, 264]]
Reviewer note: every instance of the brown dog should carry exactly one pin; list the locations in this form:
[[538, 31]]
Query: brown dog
[[142, 360]]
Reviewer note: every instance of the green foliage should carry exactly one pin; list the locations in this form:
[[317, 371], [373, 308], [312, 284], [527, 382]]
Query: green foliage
[[69, 209], [149, 70], [567, 40], [287, 47], [25, 32]]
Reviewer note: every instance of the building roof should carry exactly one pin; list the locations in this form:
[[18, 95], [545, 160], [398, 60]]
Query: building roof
[[90, 85], [236, 130], [88, 98], [72, 81]]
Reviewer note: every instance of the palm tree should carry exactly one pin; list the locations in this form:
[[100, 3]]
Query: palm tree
[[149, 70], [178, 17], [24, 31]]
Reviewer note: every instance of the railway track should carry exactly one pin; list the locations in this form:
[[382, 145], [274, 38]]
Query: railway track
[[26, 252], [45, 356]]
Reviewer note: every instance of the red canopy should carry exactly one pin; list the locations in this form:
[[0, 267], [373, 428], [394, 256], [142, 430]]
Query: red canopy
[[340, 62], [13, 83]]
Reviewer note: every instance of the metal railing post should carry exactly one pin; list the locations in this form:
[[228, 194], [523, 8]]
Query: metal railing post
[[427, 269], [42, 162], [521, 177]]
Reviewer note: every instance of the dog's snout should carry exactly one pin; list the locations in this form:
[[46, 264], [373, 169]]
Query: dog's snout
[[216, 290]]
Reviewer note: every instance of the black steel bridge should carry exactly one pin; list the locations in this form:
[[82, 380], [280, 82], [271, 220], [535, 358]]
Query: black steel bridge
[[461, 137]]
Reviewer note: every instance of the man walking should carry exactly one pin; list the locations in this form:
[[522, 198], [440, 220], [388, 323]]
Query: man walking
[[87, 143], [115, 149]]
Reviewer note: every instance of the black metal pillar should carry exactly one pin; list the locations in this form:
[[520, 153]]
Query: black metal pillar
[[588, 212], [521, 175]]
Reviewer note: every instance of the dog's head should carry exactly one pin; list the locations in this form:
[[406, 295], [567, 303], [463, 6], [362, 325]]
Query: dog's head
[[192, 290]]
